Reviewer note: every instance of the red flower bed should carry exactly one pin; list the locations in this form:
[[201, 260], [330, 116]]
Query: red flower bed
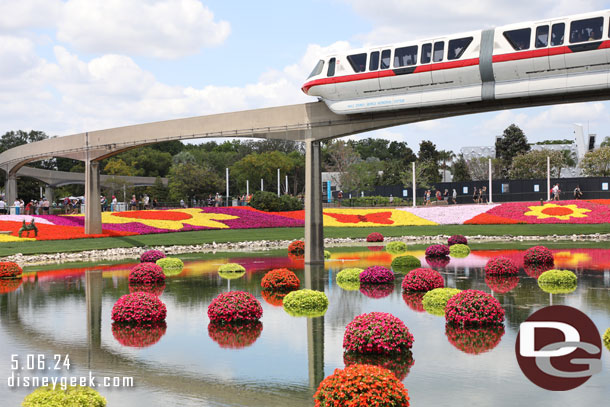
[[437, 250], [473, 308], [421, 279], [414, 300], [146, 274], [280, 280], [374, 237], [9, 269], [234, 306], [382, 218], [538, 255], [151, 256], [501, 284], [9, 285], [534, 270], [235, 335], [377, 332], [156, 289], [139, 308], [457, 239], [399, 364], [361, 385], [138, 336], [474, 340], [273, 297], [595, 213], [501, 266], [154, 215], [376, 290], [438, 262], [489, 219], [58, 232]]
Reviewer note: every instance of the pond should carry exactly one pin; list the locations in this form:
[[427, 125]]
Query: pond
[[58, 310]]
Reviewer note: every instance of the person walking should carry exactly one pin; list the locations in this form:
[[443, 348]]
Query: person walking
[[577, 192], [2, 207], [475, 195], [556, 191], [454, 196]]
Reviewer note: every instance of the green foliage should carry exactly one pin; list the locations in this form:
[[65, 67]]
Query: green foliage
[[349, 275], [326, 254], [512, 143], [405, 263], [606, 338], [255, 166], [396, 247], [551, 142], [596, 163], [189, 180], [435, 301], [306, 303], [171, 264], [558, 281], [459, 170], [532, 165], [73, 396], [270, 202], [459, 250], [231, 271], [426, 174], [374, 201]]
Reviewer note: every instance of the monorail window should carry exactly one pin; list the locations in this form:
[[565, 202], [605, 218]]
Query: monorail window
[[385, 58], [405, 56], [586, 30], [358, 62], [426, 53], [439, 51], [557, 34], [519, 39], [374, 62], [457, 47], [331, 67], [542, 36], [317, 70]]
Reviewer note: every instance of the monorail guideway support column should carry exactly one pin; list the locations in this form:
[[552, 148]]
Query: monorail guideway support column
[[93, 211], [11, 189], [314, 232]]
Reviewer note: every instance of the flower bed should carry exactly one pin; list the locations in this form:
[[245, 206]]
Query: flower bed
[[156, 289], [374, 237], [377, 332], [361, 385], [349, 279], [437, 250], [138, 336], [538, 255], [146, 274], [235, 335], [558, 281], [371, 218], [297, 247], [151, 256], [73, 396], [501, 284], [376, 275], [422, 280], [405, 263], [459, 250], [8, 285], [501, 266], [438, 262], [474, 340], [606, 338], [457, 239], [280, 280], [274, 298], [574, 211], [400, 364], [9, 269], [234, 306], [306, 303], [139, 308], [396, 247], [376, 290], [435, 301], [231, 271], [414, 299], [170, 265], [473, 308]]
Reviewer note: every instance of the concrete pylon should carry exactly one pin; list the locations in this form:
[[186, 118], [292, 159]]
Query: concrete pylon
[[11, 189], [49, 193], [93, 297], [314, 231], [314, 280], [93, 210]]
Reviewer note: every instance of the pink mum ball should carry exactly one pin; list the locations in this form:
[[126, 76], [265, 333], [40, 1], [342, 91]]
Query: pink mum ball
[[151, 256], [146, 274], [422, 279], [473, 308], [374, 237], [235, 306], [139, 308], [377, 332], [539, 256], [501, 266]]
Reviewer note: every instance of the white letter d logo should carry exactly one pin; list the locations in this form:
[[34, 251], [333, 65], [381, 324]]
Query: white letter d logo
[[527, 334]]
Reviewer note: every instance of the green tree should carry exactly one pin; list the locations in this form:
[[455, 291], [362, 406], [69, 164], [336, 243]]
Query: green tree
[[459, 170], [255, 166], [606, 142], [596, 163], [428, 152], [192, 181], [116, 166], [532, 165], [424, 175], [512, 143]]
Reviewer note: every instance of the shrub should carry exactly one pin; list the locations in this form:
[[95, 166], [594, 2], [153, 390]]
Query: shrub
[[138, 336], [155, 289], [235, 335], [438, 261], [457, 239], [146, 274], [376, 290], [606, 338], [376, 275], [151, 256], [9, 269], [474, 340], [374, 237], [231, 271], [306, 303], [422, 280], [280, 280], [437, 250], [399, 364], [377, 332], [413, 299], [297, 247], [139, 308], [435, 301], [405, 263], [73, 396], [501, 284], [170, 265], [539, 255], [349, 276], [270, 202], [501, 266], [459, 250], [396, 247], [558, 281], [361, 385], [326, 254], [234, 306], [473, 308]]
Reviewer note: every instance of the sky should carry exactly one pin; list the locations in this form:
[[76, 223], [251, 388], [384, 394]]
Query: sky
[[69, 66]]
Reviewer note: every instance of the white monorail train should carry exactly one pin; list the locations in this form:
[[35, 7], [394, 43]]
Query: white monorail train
[[554, 56]]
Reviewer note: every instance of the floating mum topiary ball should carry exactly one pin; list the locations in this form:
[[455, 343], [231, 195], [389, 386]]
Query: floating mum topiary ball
[[459, 250], [474, 340], [501, 284], [326, 254], [422, 280], [138, 336], [349, 279], [361, 385], [435, 301], [457, 239], [405, 263], [377, 290], [151, 256], [374, 237], [231, 271], [234, 306], [473, 308], [72, 396], [501, 266], [306, 303], [146, 274], [297, 247], [606, 338], [377, 332], [139, 308], [170, 265], [235, 336], [280, 280], [437, 250], [538, 255], [376, 275], [558, 281], [398, 363], [9, 269], [396, 247]]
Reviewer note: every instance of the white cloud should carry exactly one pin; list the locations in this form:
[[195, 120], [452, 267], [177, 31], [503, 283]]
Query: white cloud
[[23, 14]]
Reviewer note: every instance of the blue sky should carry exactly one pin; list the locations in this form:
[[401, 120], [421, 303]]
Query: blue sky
[[69, 66]]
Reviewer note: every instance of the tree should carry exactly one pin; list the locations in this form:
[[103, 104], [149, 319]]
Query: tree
[[606, 142], [512, 143], [532, 165], [596, 163], [427, 151], [116, 166], [424, 172], [478, 168], [255, 166], [342, 157], [459, 169], [192, 181], [445, 156]]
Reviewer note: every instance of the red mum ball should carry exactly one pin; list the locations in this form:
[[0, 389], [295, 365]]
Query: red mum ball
[[235, 306], [437, 250], [538, 255], [9, 269], [422, 280], [235, 336], [501, 266], [138, 336], [473, 308], [146, 274], [361, 385], [501, 284], [280, 280], [139, 308], [297, 247], [457, 239], [374, 237], [377, 275], [151, 256], [377, 332]]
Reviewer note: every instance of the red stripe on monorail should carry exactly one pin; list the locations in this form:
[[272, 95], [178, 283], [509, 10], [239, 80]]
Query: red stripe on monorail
[[447, 65], [515, 56]]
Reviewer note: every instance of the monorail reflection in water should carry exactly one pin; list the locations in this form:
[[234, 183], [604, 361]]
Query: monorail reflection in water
[[281, 361]]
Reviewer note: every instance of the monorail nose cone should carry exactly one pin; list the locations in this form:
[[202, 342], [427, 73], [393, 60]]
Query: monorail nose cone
[[305, 88]]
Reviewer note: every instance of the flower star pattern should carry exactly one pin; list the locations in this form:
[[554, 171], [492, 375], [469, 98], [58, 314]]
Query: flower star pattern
[[561, 212]]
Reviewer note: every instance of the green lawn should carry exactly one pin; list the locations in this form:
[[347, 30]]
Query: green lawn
[[238, 235]]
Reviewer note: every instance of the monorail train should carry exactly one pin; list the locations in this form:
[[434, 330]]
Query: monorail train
[[551, 56]]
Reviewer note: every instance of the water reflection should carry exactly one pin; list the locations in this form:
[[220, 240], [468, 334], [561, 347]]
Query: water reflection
[[474, 340]]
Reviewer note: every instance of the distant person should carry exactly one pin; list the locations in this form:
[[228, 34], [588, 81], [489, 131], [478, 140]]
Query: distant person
[[339, 197], [391, 199], [133, 204], [454, 196], [475, 195], [45, 206], [182, 205], [2, 207], [577, 192], [446, 195], [439, 196], [483, 195], [113, 204], [103, 203], [17, 205], [556, 191]]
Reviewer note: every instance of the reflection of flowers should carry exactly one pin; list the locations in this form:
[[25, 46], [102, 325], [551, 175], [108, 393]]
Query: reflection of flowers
[[377, 332], [399, 363], [231, 271], [413, 299], [473, 308], [235, 335], [273, 297], [156, 289], [501, 284], [9, 285], [474, 340], [375, 248], [422, 280], [349, 279], [535, 270], [558, 281], [438, 262], [138, 336], [376, 290], [606, 338]]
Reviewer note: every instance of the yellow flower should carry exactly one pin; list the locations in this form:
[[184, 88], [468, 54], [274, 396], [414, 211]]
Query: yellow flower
[[372, 217], [561, 212], [172, 219], [9, 238]]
